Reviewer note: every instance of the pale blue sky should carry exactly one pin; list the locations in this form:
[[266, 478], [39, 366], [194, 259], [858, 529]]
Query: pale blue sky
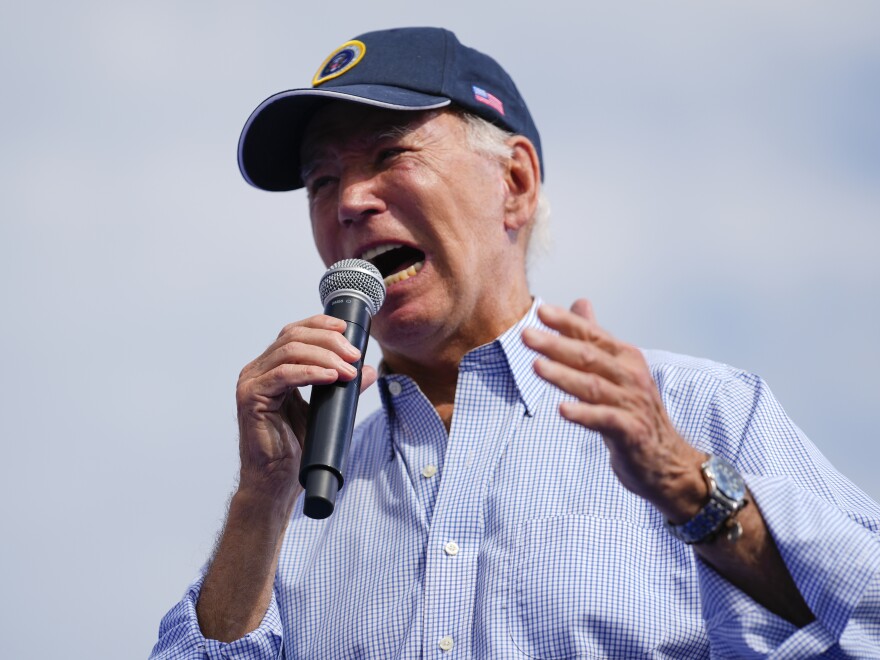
[[714, 171]]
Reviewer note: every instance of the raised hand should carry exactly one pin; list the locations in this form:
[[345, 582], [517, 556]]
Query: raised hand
[[617, 397]]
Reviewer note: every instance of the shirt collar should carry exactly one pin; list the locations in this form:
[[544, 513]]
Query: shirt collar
[[521, 358], [508, 347]]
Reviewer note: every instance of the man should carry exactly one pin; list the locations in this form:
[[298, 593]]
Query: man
[[532, 486]]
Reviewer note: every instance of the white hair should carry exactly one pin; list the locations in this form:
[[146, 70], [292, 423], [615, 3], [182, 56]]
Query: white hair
[[490, 140]]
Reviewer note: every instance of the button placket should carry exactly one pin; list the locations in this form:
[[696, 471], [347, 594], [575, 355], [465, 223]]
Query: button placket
[[450, 570]]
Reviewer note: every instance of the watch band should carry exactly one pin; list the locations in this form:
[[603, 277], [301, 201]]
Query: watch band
[[727, 497]]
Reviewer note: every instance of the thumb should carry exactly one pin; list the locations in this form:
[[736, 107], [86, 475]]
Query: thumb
[[369, 375]]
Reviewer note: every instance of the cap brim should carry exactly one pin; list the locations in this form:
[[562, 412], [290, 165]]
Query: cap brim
[[269, 146]]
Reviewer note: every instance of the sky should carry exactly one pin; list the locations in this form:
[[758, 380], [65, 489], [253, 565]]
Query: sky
[[714, 173]]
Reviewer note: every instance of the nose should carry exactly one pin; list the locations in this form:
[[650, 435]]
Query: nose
[[359, 198]]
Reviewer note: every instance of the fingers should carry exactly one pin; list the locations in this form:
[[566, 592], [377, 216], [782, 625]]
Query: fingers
[[309, 352], [578, 323], [322, 348], [586, 386], [584, 308], [614, 394], [607, 420], [321, 330], [579, 354], [296, 408], [609, 378]]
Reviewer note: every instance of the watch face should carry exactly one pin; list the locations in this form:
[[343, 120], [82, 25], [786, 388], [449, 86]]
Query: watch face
[[727, 478]]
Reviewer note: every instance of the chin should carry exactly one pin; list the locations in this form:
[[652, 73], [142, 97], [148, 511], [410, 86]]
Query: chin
[[397, 327]]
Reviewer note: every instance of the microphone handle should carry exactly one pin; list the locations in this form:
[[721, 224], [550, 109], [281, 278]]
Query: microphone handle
[[332, 411]]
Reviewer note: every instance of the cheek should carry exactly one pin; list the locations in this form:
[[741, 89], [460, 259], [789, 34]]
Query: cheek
[[323, 240], [483, 193]]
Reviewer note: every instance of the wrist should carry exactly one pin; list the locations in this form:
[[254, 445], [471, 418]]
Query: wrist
[[686, 491], [727, 497], [237, 589], [262, 482], [269, 507]]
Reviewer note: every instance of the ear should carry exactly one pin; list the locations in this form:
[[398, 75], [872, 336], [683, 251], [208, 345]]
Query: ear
[[523, 181]]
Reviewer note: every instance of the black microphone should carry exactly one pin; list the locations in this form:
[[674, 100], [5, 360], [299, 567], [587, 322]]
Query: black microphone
[[351, 290]]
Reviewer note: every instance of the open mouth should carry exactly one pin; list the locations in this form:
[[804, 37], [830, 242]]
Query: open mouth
[[396, 262]]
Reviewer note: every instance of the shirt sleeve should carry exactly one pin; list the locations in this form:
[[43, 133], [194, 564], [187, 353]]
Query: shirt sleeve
[[180, 637], [826, 530]]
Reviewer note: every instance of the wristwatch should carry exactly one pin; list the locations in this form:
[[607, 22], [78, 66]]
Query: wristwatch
[[727, 497]]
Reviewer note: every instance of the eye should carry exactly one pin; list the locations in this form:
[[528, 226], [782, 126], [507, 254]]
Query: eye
[[318, 183], [389, 153]]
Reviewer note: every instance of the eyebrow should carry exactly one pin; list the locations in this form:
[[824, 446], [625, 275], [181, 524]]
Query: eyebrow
[[311, 155]]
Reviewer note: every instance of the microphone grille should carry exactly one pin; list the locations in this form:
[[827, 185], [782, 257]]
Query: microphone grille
[[354, 275]]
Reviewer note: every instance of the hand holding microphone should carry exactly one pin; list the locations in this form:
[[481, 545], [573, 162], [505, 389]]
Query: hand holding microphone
[[351, 290], [272, 418], [317, 351]]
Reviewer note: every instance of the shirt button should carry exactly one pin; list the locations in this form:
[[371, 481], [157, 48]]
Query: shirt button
[[429, 471], [451, 548], [394, 387], [446, 643]]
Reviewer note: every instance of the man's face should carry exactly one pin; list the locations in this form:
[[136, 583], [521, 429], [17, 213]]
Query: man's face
[[406, 192]]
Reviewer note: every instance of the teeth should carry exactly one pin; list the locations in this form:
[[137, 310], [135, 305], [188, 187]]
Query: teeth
[[394, 278], [381, 249]]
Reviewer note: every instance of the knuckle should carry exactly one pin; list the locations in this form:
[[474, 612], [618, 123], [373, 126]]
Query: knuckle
[[607, 420], [645, 400], [297, 328], [243, 393], [281, 372], [591, 331], [247, 375], [312, 372], [291, 350], [590, 388], [641, 430], [292, 332], [587, 355], [287, 329], [643, 379], [583, 329], [632, 352]]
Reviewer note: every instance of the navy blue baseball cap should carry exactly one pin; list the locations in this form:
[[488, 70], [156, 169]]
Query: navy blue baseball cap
[[407, 69]]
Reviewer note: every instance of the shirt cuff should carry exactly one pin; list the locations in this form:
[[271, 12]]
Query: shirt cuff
[[181, 637], [834, 561]]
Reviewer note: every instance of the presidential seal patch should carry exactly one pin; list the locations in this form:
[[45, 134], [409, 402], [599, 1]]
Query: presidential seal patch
[[339, 61]]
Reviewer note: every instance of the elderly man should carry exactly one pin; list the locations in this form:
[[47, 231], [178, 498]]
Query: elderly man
[[532, 486]]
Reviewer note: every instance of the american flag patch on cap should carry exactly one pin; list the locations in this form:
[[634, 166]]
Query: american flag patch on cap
[[491, 100]]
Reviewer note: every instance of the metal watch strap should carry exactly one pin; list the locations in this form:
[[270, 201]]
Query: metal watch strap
[[726, 499]]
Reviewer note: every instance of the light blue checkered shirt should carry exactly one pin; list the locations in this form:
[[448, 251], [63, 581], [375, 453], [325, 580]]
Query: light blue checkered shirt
[[523, 544]]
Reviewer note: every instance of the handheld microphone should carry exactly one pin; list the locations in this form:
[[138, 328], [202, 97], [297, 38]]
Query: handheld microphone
[[351, 290]]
